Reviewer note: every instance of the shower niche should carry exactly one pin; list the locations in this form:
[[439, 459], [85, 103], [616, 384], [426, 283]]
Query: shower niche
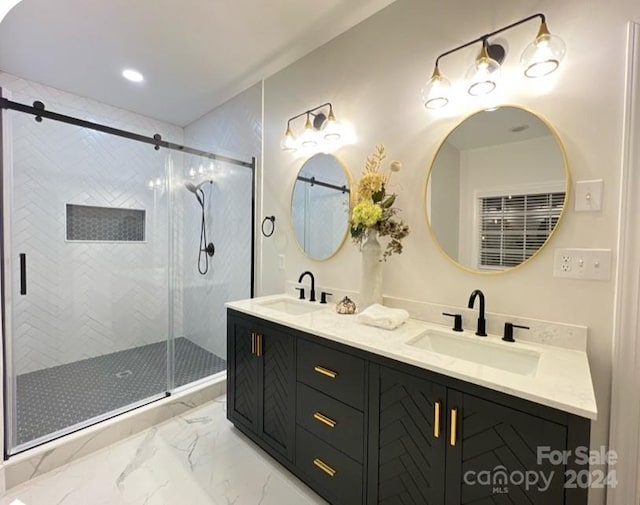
[[104, 224]]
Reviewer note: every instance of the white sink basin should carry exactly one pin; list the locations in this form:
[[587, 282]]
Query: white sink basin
[[474, 349], [291, 306]]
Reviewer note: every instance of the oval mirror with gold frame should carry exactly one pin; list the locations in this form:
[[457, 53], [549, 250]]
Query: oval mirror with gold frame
[[320, 206], [497, 189]]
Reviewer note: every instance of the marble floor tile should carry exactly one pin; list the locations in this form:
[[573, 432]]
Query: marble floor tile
[[197, 458]]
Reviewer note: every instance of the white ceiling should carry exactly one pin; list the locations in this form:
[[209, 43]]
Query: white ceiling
[[194, 54], [490, 128]]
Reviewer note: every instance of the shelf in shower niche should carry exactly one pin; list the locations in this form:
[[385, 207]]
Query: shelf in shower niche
[[104, 224]]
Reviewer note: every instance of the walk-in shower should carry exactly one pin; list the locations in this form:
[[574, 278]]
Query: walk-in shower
[[103, 309], [206, 249]]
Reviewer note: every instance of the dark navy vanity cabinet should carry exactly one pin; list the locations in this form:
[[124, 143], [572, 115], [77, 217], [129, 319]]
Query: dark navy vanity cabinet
[[261, 383], [360, 428]]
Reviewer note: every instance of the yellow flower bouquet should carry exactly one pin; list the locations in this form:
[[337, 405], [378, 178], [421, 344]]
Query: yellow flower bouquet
[[374, 210]]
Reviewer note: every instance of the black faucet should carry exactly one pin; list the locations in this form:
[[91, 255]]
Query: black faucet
[[482, 323], [312, 296]]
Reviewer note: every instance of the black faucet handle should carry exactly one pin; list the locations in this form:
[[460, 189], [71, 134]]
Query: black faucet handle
[[323, 296], [508, 331], [457, 321], [301, 297]]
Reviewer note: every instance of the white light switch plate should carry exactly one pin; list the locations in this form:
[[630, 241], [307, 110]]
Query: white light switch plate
[[588, 264], [589, 195]]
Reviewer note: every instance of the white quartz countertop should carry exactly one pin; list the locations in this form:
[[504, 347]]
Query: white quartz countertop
[[562, 379]]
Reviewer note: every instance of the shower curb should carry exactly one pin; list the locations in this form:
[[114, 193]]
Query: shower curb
[[51, 455]]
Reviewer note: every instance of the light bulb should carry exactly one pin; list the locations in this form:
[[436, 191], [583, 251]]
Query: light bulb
[[151, 185], [435, 93], [332, 130], [483, 74], [289, 142], [308, 138], [192, 172], [201, 169], [544, 54]]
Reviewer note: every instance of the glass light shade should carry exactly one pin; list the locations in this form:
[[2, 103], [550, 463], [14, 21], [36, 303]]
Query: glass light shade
[[289, 142], [543, 55], [483, 75], [435, 93], [332, 130], [309, 137]]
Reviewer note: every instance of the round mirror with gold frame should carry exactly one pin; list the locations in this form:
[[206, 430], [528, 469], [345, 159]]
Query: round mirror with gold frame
[[320, 205], [497, 189]]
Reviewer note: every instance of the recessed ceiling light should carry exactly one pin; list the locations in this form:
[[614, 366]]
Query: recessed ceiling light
[[520, 128], [132, 75]]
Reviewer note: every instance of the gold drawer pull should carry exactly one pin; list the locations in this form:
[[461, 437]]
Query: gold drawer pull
[[325, 371], [324, 467], [454, 427], [324, 419], [436, 420], [253, 342]]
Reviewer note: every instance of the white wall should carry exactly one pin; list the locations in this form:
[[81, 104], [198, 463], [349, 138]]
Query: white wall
[[373, 75], [234, 129], [84, 299]]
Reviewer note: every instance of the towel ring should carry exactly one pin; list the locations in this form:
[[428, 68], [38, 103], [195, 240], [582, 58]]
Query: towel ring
[[273, 225]]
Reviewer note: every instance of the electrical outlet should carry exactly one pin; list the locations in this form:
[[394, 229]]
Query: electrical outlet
[[587, 264]]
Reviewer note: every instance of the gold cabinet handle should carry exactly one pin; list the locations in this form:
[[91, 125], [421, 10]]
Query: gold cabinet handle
[[454, 427], [258, 344], [324, 419], [253, 342], [436, 420], [324, 467], [325, 371]]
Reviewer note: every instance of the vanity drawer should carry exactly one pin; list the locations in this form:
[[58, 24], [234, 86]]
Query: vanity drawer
[[332, 474], [331, 420], [335, 373]]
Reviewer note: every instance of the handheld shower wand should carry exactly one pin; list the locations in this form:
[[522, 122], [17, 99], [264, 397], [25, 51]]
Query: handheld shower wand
[[205, 250]]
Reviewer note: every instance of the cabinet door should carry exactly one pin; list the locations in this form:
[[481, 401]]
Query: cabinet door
[[277, 391], [496, 453], [408, 446], [242, 375]]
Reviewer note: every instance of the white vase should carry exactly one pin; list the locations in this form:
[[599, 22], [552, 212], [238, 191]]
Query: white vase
[[371, 274]]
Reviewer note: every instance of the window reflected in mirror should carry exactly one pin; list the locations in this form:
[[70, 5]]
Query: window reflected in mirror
[[497, 189], [320, 205]]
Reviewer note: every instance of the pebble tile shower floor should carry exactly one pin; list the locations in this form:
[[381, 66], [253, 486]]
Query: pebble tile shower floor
[[55, 398]]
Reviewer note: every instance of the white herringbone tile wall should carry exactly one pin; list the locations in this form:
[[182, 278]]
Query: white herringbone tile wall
[[84, 299], [233, 129]]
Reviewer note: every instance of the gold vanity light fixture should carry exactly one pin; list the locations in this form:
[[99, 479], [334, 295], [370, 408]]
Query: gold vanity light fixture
[[540, 58], [321, 129]]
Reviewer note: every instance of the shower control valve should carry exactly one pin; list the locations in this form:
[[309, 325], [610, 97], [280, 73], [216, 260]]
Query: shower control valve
[[210, 249]]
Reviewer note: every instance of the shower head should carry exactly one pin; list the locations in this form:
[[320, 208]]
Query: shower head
[[195, 187], [196, 190], [190, 187]]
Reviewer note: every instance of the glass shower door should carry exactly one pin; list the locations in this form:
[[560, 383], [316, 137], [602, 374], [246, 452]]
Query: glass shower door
[[87, 292], [215, 199]]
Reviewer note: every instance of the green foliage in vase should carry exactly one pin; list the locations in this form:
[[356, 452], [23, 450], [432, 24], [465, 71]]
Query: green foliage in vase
[[374, 210]]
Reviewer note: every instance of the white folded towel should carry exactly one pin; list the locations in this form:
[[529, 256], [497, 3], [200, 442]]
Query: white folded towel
[[383, 317]]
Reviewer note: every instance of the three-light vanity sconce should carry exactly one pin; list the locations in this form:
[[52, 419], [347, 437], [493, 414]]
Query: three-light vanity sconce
[[541, 57], [321, 130]]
